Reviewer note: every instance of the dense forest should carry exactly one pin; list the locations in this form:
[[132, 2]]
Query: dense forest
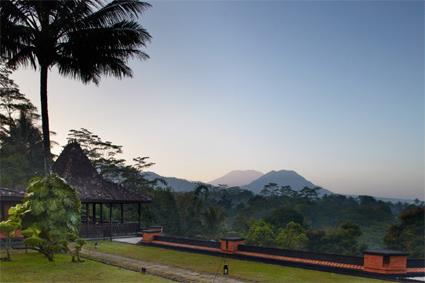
[[277, 217], [331, 224]]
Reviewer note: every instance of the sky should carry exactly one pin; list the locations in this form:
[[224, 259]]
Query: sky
[[331, 89]]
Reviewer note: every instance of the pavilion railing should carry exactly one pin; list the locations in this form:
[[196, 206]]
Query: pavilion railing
[[106, 230]]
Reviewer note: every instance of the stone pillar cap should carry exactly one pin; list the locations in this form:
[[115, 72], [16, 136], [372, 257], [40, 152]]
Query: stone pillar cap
[[232, 238], [151, 231], [385, 252]]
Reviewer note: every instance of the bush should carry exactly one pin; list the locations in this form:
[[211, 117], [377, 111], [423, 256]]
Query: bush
[[51, 217], [260, 233]]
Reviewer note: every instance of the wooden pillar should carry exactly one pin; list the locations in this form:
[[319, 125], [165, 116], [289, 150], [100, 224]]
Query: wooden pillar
[[122, 212], [110, 221], [86, 234], [139, 213], [1, 211], [87, 212], [101, 212], [110, 213], [94, 212]]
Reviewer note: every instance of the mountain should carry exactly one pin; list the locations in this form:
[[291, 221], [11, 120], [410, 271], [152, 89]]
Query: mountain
[[237, 178], [282, 178], [177, 184], [241, 178]]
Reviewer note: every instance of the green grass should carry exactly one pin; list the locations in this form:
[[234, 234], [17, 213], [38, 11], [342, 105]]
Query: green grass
[[33, 267], [249, 270]]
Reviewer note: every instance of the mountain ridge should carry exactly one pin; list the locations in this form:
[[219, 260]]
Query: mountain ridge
[[237, 178], [177, 184], [282, 178], [183, 185]]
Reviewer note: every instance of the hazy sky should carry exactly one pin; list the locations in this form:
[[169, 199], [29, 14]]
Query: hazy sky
[[333, 90]]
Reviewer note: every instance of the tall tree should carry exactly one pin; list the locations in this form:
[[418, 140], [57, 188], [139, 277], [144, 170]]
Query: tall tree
[[21, 152], [260, 233], [281, 216], [105, 157], [408, 235], [12, 101], [21, 148], [293, 236], [50, 215], [83, 39], [212, 218]]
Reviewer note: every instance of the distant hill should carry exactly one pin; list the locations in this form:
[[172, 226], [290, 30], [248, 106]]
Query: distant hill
[[177, 184], [237, 178], [282, 178]]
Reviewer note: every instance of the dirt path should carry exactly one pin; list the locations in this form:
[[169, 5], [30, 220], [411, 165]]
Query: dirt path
[[165, 271]]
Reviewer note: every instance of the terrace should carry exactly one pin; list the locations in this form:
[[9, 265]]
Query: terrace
[[155, 258]]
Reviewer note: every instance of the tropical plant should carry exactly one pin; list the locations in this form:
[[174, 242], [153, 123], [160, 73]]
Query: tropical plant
[[260, 233], [21, 152], [52, 216], [270, 190], [12, 101], [105, 157], [7, 229], [163, 211], [409, 234], [280, 217], [83, 39], [10, 227], [212, 218], [21, 146], [293, 237], [341, 240]]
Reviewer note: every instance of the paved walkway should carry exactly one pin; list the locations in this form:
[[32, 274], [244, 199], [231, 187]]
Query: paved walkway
[[165, 271]]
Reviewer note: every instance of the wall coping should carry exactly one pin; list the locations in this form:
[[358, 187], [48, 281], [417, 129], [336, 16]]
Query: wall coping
[[386, 252], [232, 239]]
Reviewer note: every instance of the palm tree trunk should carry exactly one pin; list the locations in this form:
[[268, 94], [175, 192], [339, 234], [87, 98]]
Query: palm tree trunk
[[45, 118]]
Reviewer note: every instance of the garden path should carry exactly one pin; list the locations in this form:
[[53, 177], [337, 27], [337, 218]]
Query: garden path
[[161, 270]]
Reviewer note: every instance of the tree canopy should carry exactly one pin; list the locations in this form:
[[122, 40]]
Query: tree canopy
[[21, 148], [83, 39], [51, 215]]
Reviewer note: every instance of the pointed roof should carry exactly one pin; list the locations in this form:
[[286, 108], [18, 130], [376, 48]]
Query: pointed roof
[[74, 166]]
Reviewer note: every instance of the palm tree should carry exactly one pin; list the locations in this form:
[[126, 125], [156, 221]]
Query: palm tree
[[212, 218], [84, 39]]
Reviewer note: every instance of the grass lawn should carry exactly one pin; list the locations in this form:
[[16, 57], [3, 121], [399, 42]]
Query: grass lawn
[[33, 267], [260, 272]]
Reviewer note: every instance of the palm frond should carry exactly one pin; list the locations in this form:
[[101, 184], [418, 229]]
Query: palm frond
[[102, 50], [116, 11], [19, 12], [24, 57], [85, 38]]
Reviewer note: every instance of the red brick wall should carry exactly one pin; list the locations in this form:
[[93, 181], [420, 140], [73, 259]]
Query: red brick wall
[[398, 263], [148, 237], [375, 263], [230, 246]]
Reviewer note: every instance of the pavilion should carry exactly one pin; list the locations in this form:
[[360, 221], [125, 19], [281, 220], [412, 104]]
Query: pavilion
[[103, 202]]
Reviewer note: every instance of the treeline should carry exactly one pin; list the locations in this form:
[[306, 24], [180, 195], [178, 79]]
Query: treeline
[[21, 145], [278, 216], [331, 224]]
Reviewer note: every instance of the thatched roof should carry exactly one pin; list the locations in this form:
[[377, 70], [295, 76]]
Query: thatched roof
[[77, 170], [74, 166]]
